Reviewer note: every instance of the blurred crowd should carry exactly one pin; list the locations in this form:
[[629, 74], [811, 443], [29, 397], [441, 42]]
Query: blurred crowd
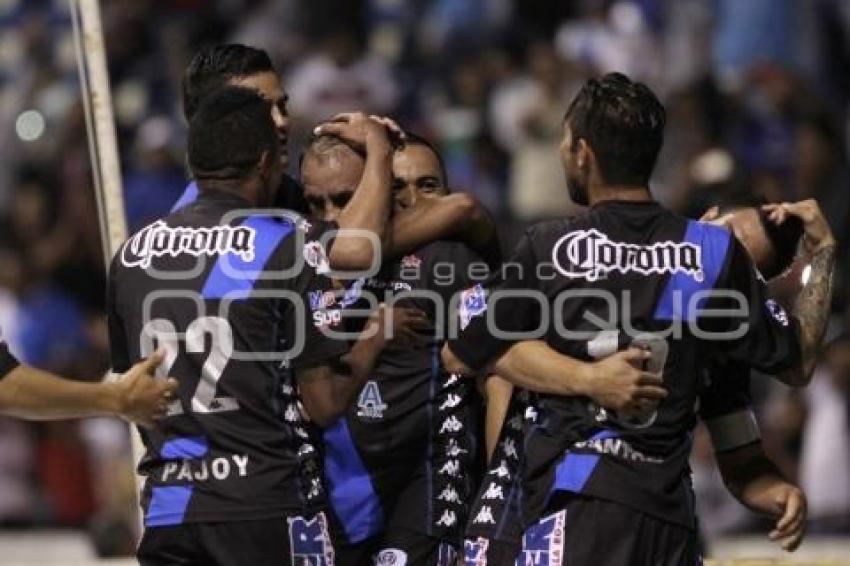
[[757, 96]]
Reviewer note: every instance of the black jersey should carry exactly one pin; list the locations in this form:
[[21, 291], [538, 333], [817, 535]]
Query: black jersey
[[8, 362], [412, 423], [726, 407], [621, 273], [223, 288]]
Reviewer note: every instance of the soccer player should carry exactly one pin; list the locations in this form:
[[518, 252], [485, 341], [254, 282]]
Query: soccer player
[[458, 216], [604, 486], [233, 472], [724, 397], [33, 394], [400, 464]]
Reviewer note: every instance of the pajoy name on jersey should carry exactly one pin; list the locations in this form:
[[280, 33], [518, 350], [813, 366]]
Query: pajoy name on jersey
[[159, 239], [591, 255]]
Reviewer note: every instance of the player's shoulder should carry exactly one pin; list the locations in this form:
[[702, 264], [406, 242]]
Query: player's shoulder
[[453, 251], [547, 232]]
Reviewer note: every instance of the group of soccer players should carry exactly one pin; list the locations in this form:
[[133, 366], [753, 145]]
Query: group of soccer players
[[362, 380]]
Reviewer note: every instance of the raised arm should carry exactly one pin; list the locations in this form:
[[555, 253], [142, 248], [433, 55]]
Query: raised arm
[[458, 215], [369, 207], [813, 304]]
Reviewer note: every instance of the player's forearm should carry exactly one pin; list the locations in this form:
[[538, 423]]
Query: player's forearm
[[458, 215], [535, 366], [361, 361], [33, 394], [497, 394], [812, 309], [750, 476], [368, 210]]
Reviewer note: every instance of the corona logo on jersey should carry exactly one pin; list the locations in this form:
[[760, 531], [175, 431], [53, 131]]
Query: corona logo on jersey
[[159, 239], [591, 255]]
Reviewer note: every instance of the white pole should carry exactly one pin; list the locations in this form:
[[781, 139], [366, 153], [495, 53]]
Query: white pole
[[103, 144]]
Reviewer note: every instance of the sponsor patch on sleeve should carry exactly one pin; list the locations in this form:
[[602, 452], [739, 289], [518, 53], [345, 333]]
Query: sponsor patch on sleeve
[[315, 256], [777, 312], [473, 302]]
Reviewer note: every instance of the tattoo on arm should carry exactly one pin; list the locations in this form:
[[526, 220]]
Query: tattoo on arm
[[812, 307]]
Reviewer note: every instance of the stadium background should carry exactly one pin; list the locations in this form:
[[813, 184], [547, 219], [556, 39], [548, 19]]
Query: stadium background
[[757, 93]]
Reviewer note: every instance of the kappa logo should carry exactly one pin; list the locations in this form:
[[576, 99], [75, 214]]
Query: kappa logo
[[309, 542], [591, 255], [370, 405], [473, 302], [451, 468], [449, 495], [543, 542], [451, 424], [448, 519], [159, 239], [452, 401], [494, 491], [484, 516]]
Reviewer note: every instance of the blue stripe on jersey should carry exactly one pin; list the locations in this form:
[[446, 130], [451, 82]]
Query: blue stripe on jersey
[[714, 243], [574, 470], [220, 283], [168, 505], [188, 197], [352, 494], [187, 447]]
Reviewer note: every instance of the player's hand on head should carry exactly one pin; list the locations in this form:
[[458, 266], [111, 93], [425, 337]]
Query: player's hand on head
[[618, 383], [356, 129], [817, 233], [791, 508], [144, 398], [395, 130]]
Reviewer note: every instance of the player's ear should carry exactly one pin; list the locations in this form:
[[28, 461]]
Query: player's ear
[[584, 154], [264, 165]]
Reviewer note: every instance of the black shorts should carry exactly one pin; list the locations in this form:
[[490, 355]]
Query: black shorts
[[398, 547], [267, 542], [409, 536], [583, 531]]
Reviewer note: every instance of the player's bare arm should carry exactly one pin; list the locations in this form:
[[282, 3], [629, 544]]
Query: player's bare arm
[[613, 382], [813, 304], [137, 396], [328, 390], [369, 207], [497, 396], [457, 215], [756, 482]]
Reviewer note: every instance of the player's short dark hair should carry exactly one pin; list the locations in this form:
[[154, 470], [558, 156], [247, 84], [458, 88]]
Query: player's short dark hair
[[623, 122], [324, 145], [215, 65], [785, 238], [412, 138], [229, 133]]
